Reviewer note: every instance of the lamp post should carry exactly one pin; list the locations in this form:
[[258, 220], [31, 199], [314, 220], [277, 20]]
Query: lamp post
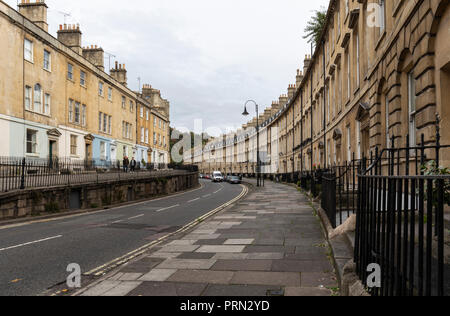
[[258, 161]]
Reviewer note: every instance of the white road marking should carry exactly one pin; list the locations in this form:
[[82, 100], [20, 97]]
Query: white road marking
[[116, 222], [208, 195], [30, 243], [219, 189], [134, 217], [167, 208], [191, 201]]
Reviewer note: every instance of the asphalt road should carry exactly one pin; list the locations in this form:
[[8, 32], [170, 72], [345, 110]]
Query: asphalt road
[[34, 257]]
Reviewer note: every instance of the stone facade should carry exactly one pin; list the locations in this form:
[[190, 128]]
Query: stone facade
[[379, 71], [56, 100]]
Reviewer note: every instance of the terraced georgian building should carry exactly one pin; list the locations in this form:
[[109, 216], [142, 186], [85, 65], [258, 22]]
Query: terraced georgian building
[[380, 70], [56, 100]]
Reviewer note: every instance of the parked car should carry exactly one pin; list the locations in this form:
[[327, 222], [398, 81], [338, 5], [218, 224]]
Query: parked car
[[217, 176], [235, 180]]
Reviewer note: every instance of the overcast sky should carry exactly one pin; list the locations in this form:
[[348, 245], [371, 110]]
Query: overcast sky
[[206, 56]]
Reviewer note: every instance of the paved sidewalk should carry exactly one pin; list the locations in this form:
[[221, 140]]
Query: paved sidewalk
[[269, 243]]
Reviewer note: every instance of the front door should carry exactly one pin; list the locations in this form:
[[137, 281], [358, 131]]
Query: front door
[[88, 152], [52, 152]]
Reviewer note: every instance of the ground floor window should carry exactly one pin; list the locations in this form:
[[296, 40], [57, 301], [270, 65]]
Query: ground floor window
[[103, 150], [31, 141], [73, 144]]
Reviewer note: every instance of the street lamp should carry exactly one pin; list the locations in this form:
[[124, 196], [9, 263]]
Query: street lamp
[[258, 162]]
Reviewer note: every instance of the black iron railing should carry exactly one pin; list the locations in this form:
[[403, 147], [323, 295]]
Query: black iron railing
[[340, 191], [18, 173], [400, 221]]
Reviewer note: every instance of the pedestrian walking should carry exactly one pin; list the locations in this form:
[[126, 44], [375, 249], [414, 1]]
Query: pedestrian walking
[[126, 163], [133, 165]]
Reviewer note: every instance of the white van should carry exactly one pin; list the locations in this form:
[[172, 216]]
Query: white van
[[217, 176]]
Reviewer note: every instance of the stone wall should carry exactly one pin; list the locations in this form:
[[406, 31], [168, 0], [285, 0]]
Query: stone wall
[[35, 202]]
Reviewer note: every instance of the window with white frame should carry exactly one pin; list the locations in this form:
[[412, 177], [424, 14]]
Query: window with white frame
[[47, 60], [82, 78], [147, 115], [37, 98], [47, 104], [131, 106], [28, 97], [146, 136], [154, 138], [109, 93], [124, 101], [100, 88], [142, 135], [73, 145], [31, 141], [105, 123], [102, 150], [70, 71], [100, 116], [77, 112], [70, 110], [109, 124], [142, 112], [28, 50]]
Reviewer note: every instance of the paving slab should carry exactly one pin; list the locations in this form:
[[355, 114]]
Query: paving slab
[[267, 278], [185, 248], [302, 265], [239, 290], [168, 289], [196, 255], [314, 279], [300, 291], [197, 264], [159, 275], [242, 265], [197, 276], [122, 289], [221, 249], [239, 242]]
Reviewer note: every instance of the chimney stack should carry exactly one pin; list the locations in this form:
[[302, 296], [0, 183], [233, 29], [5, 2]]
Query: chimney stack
[[306, 63], [291, 91], [299, 78], [283, 99], [119, 73], [36, 12], [70, 35], [95, 55]]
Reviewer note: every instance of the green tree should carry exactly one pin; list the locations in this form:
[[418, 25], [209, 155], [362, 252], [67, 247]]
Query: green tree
[[315, 26]]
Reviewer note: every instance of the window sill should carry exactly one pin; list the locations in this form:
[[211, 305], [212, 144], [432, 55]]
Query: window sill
[[29, 61], [32, 155], [47, 70]]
